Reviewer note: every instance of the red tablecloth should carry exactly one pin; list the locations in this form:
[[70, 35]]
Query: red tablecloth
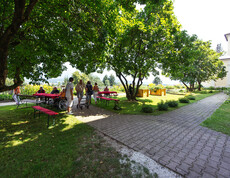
[[107, 92], [47, 95]]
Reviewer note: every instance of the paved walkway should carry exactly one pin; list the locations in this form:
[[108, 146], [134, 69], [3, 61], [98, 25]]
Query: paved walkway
[[173, 139]]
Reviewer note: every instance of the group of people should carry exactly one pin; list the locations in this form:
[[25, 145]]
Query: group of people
[[68, 92]]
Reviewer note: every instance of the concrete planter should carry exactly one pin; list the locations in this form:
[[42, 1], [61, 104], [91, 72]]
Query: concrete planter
[[143, 93], [158, 92]]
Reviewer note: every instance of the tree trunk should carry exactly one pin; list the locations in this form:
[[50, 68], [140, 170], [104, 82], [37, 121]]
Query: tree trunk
[[21, 15], [199, 85], [3, 66]]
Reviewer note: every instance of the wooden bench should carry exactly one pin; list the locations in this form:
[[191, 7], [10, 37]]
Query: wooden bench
[[109, 99], [46, 111]]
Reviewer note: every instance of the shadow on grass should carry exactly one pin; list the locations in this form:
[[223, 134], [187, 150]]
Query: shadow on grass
[[69, 148]]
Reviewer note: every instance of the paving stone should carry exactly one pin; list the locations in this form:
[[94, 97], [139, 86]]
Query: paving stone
[[224, 165], [193, 174], [172, 165], [224, 172], [211, 170], [207, 175]]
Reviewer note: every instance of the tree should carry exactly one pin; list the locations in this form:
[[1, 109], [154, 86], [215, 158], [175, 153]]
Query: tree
[[111, 80], [80, 76], [183, 58], [107, 83], [207, 64], [195, 62], [157, 80], [96, 79], [38, 37], [141, 40], [104, 79]]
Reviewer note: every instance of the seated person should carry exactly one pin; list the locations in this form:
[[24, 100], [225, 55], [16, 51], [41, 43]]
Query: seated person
[[61, 96], [55, 91], [106, 89], [41, 90]]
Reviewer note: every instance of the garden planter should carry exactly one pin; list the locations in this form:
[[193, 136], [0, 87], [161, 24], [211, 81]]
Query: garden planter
[[143, 93], [158, 92]]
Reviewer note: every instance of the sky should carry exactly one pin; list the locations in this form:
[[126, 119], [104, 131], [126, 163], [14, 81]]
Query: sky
[[208, 19]]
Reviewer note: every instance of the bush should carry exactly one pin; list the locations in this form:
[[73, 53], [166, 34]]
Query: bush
[[191, 97], [210, 91], [162, 106], [6, 97], [172, 103], [204, 92], [211, 88], [184, 100], [147, 109]]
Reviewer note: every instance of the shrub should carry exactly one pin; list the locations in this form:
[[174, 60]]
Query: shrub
[[191, 97], [210, 91], [184, 100], [211, 88], [172, 103], [162, 106], [204, 92], [147, 109]]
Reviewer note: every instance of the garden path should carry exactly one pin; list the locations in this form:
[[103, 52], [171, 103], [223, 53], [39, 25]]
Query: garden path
[[174, 139]]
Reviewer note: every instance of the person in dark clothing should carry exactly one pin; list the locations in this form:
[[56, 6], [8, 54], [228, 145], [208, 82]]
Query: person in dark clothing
[[41, 90], [89, 91], [55, 91]]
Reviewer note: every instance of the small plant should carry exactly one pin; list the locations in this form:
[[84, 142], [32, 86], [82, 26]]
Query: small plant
[[162, 106], [147, 109], [184, 100], [172, 103], [191, 97], [204, 92]]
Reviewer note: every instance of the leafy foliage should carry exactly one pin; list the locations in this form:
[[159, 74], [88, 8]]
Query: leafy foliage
[[194, 61], [38, 37], [162, 106], [140, 41], [147, 109], [184, 100], [172, 103], [157, 80], [191, 97]]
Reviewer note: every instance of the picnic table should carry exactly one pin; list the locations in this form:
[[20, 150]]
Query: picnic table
[[47, 96], [107, 99], [107, 93]]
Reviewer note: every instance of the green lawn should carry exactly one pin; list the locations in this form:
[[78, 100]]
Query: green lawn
[[68, 149], [220, 120], [129, 107]]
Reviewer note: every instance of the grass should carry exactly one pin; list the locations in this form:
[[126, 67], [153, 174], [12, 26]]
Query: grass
[[134, 107], [220, 119], [67, 149]]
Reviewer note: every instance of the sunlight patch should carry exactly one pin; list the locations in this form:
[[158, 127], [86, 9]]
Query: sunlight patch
[[20, 122], [19, 141], [70, 123]]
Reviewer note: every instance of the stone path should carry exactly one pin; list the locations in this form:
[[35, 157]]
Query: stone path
[[173, 139]]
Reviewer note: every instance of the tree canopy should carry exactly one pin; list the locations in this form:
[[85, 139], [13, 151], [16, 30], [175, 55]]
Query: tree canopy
[[140, 41], [194, 61], [37, 37]]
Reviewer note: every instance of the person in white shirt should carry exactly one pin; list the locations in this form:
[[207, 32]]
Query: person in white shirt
[[69, 95]]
